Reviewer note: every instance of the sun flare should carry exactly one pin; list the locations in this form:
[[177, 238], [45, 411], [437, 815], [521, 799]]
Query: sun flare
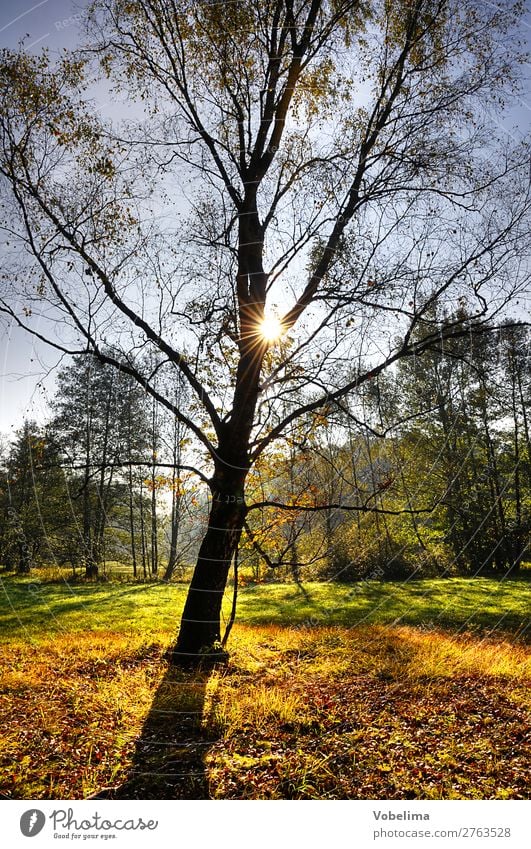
[[271, 328]]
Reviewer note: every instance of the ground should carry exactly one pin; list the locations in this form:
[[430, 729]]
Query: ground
[[351, 692]]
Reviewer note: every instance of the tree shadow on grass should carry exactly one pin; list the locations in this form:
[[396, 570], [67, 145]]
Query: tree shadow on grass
[[479, 606], [169, 758]]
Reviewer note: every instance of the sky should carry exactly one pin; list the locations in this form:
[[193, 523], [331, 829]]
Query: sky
[[50, 23], [27, 371], [26, 366]]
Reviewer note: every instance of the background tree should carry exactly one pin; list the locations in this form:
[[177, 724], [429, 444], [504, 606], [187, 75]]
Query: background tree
[[103, 427], [36, 520], [515, 345], [460, 447], [180, 483], [341, 174]]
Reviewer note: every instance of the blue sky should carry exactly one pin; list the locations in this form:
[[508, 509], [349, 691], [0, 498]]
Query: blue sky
[[26, 367], [26, 372], [50, 23]]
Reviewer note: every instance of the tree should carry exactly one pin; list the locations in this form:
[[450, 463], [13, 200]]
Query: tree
[[339, 177], [514, 344], [103, 427], [176, 441], [467, 430], [36, 518]]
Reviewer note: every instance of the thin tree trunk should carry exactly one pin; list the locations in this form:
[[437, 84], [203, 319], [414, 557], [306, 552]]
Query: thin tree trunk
[[232, 617], [91, 565], [353, 447], [154, 531], [104, 485], [24, 560], [200, 631], [154, 528], [497, 507], [131, 489], [143, 532], [176, 493], [516, 536], [175, 524], [525, 421], [132, 519]]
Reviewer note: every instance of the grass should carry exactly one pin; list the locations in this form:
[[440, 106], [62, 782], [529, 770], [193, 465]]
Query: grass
[[33, 610], [390, 691], [369, 713]]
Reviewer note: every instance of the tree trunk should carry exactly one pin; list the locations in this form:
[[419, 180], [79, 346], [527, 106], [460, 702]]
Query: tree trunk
[[104, 486], [132, 518], [516, 535], [175, 523], [143, 532], [175, 501], [200, 632], [154, 523], [502, 554], [24, 560], [154, 529], [90, 559]]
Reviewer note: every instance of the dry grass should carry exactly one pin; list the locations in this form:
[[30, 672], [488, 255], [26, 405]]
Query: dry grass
[[71, 710], [370, 712]]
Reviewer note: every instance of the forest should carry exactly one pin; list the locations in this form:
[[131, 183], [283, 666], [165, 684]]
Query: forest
[[436, 483]]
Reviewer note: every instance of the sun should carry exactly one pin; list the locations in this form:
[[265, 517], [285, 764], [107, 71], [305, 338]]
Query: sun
[[271, 328]]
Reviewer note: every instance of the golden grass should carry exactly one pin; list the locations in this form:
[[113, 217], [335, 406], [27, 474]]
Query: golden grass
[[443, 655], [399, 651], [328, 712], [269, 661], [73, 705]]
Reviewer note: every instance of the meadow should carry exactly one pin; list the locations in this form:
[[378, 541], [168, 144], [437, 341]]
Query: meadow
[[371, 690]]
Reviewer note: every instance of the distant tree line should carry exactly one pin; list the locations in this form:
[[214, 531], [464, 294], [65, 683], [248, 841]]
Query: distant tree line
[[445, 491], [99, 482], [435, 482]]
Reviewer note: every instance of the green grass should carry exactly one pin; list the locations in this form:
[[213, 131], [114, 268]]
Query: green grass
[[33, 610], [449, 603]]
